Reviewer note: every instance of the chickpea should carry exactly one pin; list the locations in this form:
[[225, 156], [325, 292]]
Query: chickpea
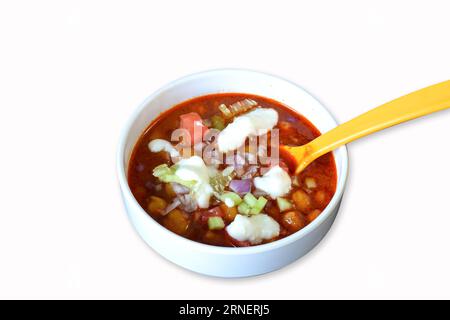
[[302, 201], [320, 198], [169, 190], [230, 213], [213, 237], [139, 192], [156, 205], [272, 210], [313, 215], [293, 221], [284, 125], [196, 216], [176, 221]]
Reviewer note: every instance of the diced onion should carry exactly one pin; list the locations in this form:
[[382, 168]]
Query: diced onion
[[310, 183], [171, 206], [241, 186], [226, 112]]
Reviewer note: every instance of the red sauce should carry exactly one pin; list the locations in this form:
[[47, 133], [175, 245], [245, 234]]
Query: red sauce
[[294, 129]]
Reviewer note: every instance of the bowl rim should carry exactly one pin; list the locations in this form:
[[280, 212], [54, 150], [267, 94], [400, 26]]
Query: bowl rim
[[128, 196]]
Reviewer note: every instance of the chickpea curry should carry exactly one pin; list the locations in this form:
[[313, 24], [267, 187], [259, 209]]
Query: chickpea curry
[[209, 169]]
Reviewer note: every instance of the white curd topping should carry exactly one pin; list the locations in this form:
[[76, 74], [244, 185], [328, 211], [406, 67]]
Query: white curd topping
[[275, 182], [159, 145], [194, 169], [254, 123], [254, 228]]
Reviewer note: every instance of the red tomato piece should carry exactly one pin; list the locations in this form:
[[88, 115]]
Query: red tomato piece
[[193, 123]]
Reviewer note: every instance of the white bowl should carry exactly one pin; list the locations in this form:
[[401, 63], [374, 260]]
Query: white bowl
[[222, 261]]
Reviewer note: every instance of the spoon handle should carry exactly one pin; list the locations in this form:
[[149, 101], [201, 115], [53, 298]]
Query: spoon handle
[[408, 107]]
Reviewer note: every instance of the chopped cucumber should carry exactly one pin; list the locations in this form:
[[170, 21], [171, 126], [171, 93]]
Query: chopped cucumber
[[259, 206], [161, 170], [244, 208], [250, 199], [166, 174], [231, 199], [215, 223], [251, 205], [284, 204]]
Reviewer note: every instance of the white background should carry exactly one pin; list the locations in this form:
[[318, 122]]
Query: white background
[[71, 73]]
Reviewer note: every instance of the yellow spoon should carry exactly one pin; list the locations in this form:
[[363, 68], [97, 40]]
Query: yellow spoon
[[411, 106]]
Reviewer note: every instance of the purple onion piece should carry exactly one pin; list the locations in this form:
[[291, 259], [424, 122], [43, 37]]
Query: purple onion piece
[[239, 171], [179, 189], [188, 203], [239, 160], [150, 185], [251, 171], [140, 167], [241, 186], [171, 206]]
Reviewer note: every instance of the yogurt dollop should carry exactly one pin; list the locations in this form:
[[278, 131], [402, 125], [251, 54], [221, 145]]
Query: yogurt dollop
[[159, 145], [195, 169], [254, 123], [254, 228], [275, 182]]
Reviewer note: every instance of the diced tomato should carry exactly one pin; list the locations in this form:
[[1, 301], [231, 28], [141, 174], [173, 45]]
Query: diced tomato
[[193, 123]]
